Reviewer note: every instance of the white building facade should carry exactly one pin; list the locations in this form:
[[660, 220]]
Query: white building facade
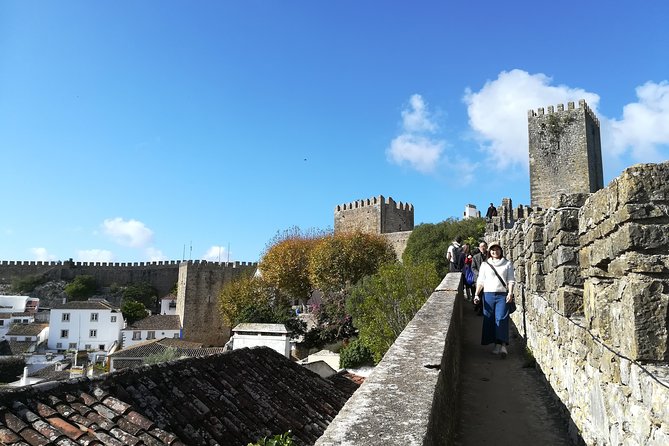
[[154, 327], [274, 336], [85, 325]]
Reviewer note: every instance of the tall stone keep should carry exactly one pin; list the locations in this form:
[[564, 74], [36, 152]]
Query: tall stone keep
[[374, 215], [565, 152]]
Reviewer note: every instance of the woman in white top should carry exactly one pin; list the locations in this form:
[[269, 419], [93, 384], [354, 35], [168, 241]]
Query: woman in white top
[[497, 292]]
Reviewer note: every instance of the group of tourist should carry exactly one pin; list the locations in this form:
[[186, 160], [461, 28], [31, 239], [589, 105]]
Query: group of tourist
[[489, 281]]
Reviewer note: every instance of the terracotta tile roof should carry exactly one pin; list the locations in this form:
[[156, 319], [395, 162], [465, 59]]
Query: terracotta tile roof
[[26, 329], [183, 348], [258, 327], [157, 322], [229, 399]]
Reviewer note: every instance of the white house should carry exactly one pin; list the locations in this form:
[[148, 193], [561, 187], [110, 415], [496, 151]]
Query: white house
[[8, 319], [26, 338], [156, 326], [471, 212], [85, 325], [168, 304], [274, 336]]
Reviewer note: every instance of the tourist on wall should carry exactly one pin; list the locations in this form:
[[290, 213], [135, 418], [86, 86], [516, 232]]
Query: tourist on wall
[[496, 281], [492, 212], [468, 278], [453, 254], [477, 260]]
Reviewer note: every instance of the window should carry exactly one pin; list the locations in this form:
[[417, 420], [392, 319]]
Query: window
[[24, 321], [101, 347], [136, 335], [176, 335], [2, 322], [66, 317], [113, 318], [13, 338], [92, 333], [151, 335], [73, 345], [64, 333], [87, 347], [59, 345], [94, 317]]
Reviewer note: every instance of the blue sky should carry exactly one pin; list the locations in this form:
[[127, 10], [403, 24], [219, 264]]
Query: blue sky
[[136, 131]]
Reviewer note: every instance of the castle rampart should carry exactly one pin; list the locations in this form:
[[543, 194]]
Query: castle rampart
[[199, 287], [162, 275], [593, 274]]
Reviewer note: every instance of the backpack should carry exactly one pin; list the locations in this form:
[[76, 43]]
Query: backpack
[[469, 275], [458, 260]]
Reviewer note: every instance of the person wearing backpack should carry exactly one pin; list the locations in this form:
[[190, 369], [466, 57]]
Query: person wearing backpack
[[495, 284], [477, 260], [467, 274], [454, 254]]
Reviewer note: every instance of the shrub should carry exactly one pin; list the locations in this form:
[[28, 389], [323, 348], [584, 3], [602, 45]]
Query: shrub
[[277, 440], [81, 288], [26, 284], [355, 354]]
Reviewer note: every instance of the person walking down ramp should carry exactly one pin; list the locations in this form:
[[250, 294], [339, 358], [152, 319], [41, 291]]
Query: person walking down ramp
[[496, 281]]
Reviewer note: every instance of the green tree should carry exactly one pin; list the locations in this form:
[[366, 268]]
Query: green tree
[[429, 242], [142, 292], [27, 284], [384, 303], [355, 354], [81, 288], [341, 260], [133, 311]]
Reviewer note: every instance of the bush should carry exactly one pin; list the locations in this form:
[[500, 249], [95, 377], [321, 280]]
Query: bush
[[277, 440], [26, 284], [81, 288], [142, 292], [133, 311], [355, 354]]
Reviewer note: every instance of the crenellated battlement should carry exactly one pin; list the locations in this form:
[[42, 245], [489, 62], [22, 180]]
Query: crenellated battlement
[[374, 201], [560, 109]]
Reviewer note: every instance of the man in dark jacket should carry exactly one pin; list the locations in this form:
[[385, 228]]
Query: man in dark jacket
[[478, 259]]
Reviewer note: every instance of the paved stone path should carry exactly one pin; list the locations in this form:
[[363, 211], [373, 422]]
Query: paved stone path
[[503, 401]]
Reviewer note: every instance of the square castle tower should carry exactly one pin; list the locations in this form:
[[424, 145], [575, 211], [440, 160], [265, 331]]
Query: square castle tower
[[565, 153]]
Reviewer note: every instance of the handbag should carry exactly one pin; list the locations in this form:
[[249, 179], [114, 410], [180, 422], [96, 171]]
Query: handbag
[[510, 305]]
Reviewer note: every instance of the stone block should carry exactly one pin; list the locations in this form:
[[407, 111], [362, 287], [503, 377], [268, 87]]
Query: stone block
[[570, 200], [643, 333], [636, 262], [597, 306], [566, 275], [644, 182], [563, 220], [569, 300]]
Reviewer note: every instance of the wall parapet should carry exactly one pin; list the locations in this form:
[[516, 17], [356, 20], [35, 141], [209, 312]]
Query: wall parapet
[[593, 272], [416, 382]]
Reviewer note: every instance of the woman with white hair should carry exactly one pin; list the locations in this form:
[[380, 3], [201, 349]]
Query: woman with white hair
[[496, 281]]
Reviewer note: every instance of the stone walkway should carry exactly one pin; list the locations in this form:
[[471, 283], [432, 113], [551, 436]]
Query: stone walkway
[[504, 401]]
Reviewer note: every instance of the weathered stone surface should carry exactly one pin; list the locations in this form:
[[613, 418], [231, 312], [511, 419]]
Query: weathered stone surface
[[570, 200], [634, 262]]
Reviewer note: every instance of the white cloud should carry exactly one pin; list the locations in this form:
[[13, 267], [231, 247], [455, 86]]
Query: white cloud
[[419, 152], [498, 112], [130, 233], [216, 253], [41, 255], [644, 127], [412, 147], [155, 254], [95, 255], [417, 118]]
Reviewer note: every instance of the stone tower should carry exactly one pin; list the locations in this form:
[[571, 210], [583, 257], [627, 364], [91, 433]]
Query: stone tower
[[565, 152], [374, 215]]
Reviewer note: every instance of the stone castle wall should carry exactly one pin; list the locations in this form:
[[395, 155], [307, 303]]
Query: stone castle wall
[[593, 273], [200, 285], [565, 152], [374, 215], [161, 275]]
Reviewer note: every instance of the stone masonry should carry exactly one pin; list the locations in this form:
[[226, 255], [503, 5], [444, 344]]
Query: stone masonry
[[593, 275], [565, 152]]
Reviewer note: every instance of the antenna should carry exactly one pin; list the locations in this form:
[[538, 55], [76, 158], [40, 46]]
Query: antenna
[[228, 252], [190, 254]]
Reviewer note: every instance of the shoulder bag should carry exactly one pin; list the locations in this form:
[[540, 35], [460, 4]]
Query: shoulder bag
[[512, 304]]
